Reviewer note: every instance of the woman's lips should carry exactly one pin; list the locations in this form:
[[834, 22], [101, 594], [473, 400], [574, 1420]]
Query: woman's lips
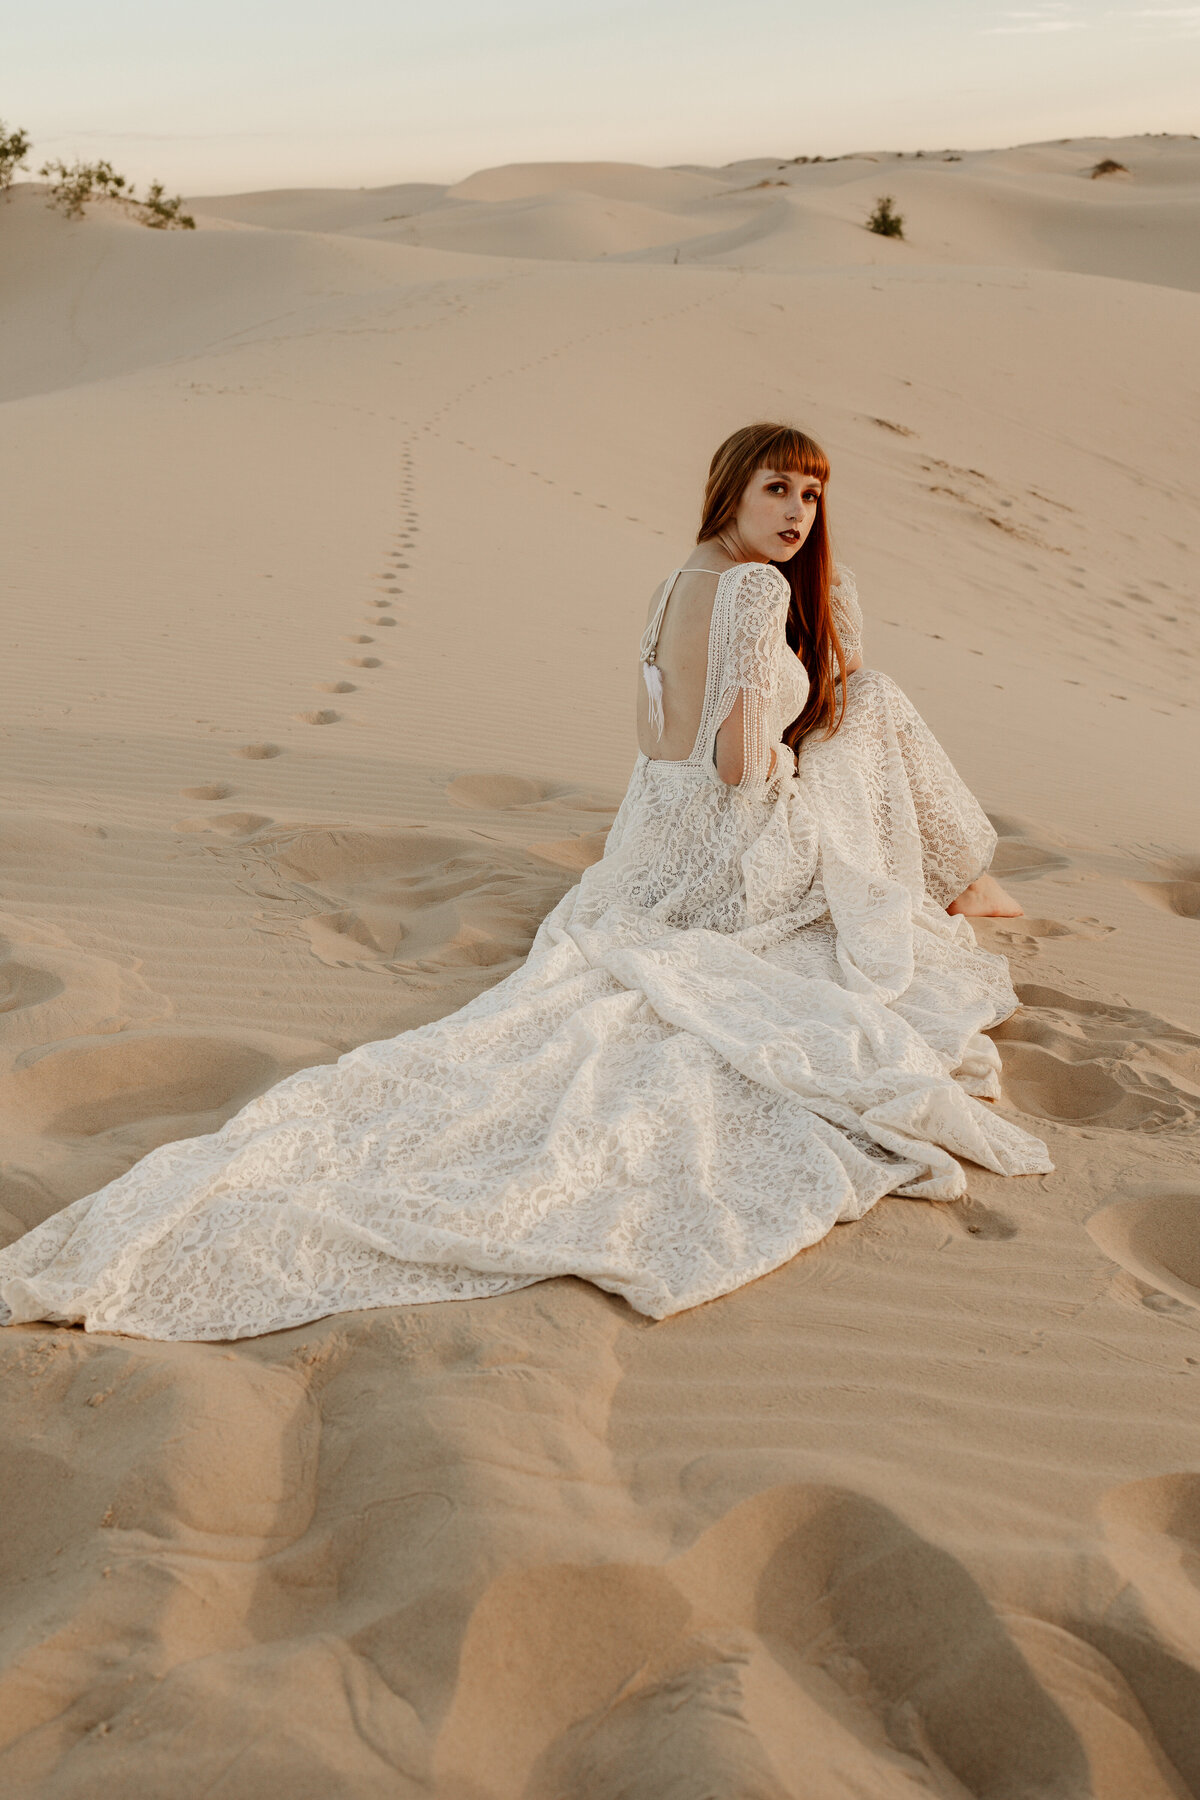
[[789, 537]]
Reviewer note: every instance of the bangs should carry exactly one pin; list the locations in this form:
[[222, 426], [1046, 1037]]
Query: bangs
[[794, 452]]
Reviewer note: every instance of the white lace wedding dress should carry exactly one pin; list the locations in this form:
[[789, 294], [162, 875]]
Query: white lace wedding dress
[[749, 1020]]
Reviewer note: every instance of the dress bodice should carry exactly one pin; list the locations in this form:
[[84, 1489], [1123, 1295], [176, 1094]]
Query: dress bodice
[[748, 660], [749, 655]]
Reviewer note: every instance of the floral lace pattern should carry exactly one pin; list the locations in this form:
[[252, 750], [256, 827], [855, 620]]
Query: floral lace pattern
[[847, 613], [750, 1019]]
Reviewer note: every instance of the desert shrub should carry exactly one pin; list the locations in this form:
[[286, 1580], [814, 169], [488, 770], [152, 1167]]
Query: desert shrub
[[1109, 167], [159, 212], [14, 148], [73, 185], [883, 221]]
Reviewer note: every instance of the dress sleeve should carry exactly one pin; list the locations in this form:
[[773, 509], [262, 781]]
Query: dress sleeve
[[847, 613], [754, 646]]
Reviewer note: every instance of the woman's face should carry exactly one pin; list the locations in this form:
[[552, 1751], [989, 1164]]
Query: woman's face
[[776, 512]]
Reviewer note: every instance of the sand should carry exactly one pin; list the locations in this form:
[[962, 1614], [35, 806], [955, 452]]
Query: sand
[[331, 531]]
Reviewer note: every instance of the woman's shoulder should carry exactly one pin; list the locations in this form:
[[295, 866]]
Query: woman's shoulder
[[847, 613], [744, 586], [761, 583], [843, 594]]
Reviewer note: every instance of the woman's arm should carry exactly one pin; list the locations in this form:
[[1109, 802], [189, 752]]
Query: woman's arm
[[729, 756], [744, 755], [847, 616]]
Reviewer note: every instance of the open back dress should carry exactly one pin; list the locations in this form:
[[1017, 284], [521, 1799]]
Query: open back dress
[[751, 1019]]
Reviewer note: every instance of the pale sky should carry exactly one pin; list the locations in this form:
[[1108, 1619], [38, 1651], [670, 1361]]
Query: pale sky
[[240, 94]]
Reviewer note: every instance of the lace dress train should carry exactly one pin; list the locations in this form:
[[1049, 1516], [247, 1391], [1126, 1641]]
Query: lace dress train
[[749, 1020]]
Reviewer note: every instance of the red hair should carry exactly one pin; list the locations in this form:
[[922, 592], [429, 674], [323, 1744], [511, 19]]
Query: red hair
[[811, 631]]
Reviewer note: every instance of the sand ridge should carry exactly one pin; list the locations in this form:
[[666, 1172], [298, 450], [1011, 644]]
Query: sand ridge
[[1036, 206], [334, 536]]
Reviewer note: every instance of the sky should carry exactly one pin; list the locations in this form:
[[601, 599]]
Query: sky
[[235, 95]]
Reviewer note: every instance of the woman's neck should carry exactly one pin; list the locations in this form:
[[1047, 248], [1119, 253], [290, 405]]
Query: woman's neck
[[725, 550]]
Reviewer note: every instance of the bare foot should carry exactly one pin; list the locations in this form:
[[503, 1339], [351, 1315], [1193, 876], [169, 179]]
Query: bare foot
[[986, 899]]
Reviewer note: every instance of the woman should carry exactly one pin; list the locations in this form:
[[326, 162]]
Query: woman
[[759, 1012]]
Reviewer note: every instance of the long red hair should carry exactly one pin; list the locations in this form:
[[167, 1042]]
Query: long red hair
[[811, 631]]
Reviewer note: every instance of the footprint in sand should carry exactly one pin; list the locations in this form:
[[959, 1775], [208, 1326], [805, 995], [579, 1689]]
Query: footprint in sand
[[1179, 894], [975, 1219], [25, 1200], [1154, 1234], [363, 662], [416, 901], [506, 792], [807, 1613], [336, 687], [166, 1084], [323, 715], [509, 793], [573, 853], [213, 790], [233, 825], [1151, 1628], [496, 791], [356, 637], [257, 752], [1027, 933], [51, 989], [22, 984], [1086, 1062]]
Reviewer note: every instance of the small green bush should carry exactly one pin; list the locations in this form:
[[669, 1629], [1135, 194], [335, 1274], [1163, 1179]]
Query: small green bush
[[883, 221], [73, 185], [160, 213], [14, 148]]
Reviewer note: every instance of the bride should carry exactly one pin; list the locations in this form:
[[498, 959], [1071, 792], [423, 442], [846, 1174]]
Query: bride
[[759, 1012]]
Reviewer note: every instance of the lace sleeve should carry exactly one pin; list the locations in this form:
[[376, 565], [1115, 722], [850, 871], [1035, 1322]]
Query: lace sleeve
[[754, 645], [847, 613]]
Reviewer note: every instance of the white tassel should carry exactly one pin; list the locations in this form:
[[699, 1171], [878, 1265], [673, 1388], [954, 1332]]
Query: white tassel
[[654, 688]]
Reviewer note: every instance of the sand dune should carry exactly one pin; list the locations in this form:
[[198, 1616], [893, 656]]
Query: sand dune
[[1037, 207], [331, 527]]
